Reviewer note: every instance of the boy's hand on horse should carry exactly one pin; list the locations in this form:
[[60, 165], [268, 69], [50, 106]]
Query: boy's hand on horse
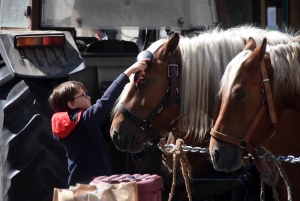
[[137, 66]]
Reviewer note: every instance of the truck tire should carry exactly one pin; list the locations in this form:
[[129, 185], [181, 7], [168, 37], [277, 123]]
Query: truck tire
[[32, 163]]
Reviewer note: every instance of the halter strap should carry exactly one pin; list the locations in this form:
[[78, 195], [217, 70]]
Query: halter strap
[[147, 123], [173, 74], [267, 87], [244, 143], [171, 97]]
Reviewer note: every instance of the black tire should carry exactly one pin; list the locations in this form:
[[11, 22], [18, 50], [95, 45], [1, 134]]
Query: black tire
[[32, 163]]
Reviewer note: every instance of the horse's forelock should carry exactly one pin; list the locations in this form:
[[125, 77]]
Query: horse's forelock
[[231, 72], [156, 45]]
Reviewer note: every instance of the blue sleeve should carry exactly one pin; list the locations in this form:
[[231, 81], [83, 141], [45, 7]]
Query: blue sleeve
[[97, 112]]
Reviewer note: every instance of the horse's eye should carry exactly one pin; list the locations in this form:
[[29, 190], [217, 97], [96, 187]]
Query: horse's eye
[[239, 96]]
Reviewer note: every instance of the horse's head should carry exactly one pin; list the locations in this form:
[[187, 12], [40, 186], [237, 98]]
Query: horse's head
[[143, 112], [247, 110]]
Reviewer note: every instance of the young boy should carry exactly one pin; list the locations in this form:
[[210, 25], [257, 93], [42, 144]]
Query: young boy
[[76, 125]]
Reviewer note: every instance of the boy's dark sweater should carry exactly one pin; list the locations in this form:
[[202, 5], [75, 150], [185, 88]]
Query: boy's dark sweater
[[80, 133]]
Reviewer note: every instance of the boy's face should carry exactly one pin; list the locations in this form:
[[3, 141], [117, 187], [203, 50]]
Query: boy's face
[[81, 100]]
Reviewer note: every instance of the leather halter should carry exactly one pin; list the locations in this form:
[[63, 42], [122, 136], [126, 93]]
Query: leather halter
[[171, 97], [244, 143]]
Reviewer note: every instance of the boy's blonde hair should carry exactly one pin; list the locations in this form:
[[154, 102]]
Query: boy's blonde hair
[[64, 93]]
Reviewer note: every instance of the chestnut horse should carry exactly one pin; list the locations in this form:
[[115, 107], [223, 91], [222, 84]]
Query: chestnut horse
[[200, 62], [178, 90], [258, 86]]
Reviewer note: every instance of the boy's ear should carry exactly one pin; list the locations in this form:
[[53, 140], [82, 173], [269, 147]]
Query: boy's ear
[[71, 105]]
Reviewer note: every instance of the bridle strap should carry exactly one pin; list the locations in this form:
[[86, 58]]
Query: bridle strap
[[244, 143], [173, 74], [225, 137], [254, 123], [258, 162], [171, 97], [267, 87], [138, 121], [147, 123]]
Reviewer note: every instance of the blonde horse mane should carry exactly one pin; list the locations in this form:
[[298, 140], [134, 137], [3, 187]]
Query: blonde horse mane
[[285, 60], [204, 58]]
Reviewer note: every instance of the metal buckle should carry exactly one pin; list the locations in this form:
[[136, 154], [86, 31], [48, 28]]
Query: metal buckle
[[172, 65], [263, 86], [145, 127], [266, 80], [170, 88]]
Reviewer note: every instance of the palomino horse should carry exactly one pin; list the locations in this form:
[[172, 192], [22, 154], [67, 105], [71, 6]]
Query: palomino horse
[[200, 62], [256, 88], [186, 69]]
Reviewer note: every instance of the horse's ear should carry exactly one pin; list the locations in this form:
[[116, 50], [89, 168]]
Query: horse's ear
[[262, 49], [250, 45], [258, 54], [171, 45]]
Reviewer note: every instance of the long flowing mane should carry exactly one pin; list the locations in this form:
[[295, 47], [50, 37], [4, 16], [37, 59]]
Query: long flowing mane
[[285, 60], [204, 59]]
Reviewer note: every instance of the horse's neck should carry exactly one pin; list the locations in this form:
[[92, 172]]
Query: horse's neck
[[293, 104], [286, 139], [282, 104]]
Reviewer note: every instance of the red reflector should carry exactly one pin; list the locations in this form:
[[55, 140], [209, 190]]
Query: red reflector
[[58, 40], [46, 41], [53, 40]]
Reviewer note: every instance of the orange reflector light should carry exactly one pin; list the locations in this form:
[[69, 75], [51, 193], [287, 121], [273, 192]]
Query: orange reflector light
[[28, 41], [33, 41]]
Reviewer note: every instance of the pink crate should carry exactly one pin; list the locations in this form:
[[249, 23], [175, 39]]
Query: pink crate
[[149, 186]]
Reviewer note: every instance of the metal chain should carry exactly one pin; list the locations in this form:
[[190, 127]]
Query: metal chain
[[189, 148], [289, 158], [185, 148]]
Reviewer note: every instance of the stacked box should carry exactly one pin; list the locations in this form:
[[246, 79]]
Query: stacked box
[[149, 186]]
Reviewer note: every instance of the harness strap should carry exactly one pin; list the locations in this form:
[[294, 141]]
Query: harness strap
[[172, 97], [244, 143], [225, 137], [267, 87], [258, 162], [147, 123], [254, 123], [138, 121], [172, 73]]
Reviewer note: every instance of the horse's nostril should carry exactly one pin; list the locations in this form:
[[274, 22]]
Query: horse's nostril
[[216, 156]]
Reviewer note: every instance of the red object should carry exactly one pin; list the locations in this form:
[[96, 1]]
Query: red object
[[137, 76], [149, 186], [62, 125]]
